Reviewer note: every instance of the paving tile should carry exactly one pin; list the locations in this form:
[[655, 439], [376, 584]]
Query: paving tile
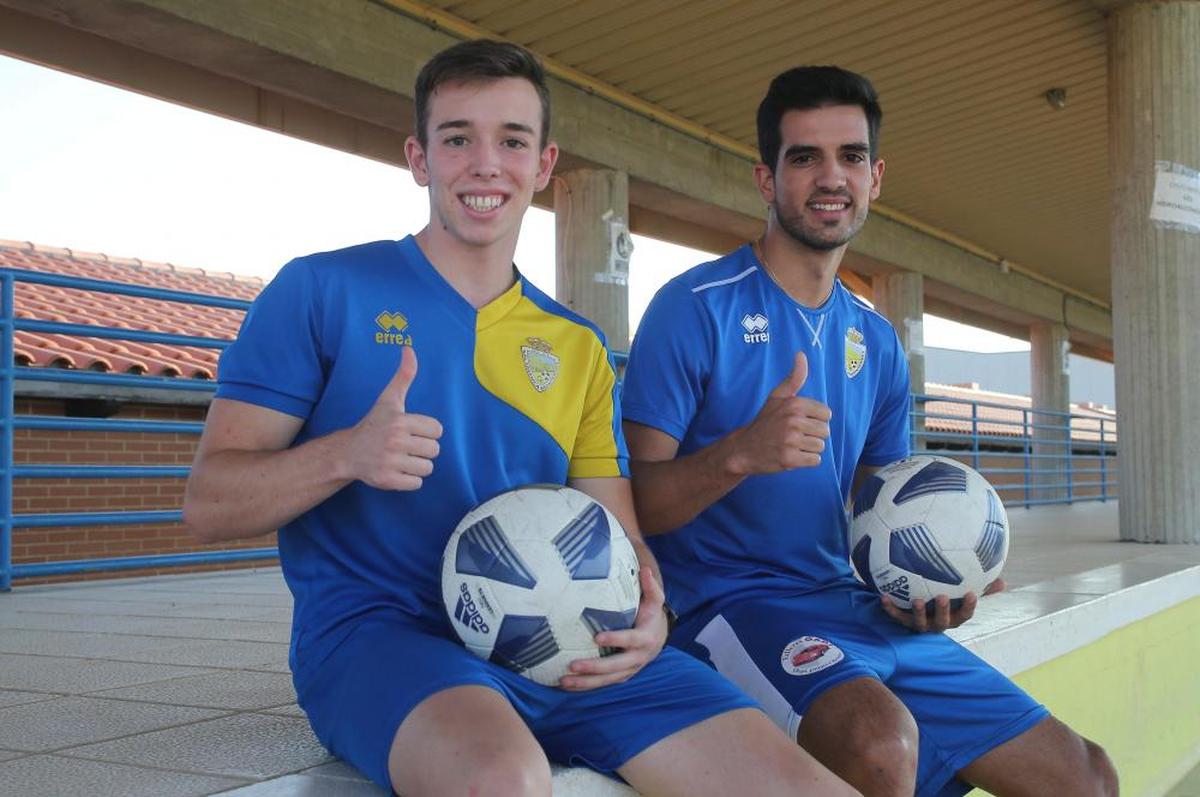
[[280, 665], [75, 676], [185, 627], [275, 614], [188, 594], [229, 689], [55, 776], [305, 785], [151, 650], [286, 711], [166, 596], [231, 654], [16, 698], [79, 645], [71, 721], [335, 769], [256, 746]]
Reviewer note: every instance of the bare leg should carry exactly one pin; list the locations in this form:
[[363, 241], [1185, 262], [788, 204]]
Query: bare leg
[[865, 735], [467, 740], [1049, 758], [740, 752]]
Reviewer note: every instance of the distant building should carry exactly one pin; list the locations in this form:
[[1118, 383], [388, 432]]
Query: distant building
[[1092, 381]]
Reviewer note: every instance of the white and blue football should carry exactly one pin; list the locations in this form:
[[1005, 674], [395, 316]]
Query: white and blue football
[[532, 575], [927, 526]]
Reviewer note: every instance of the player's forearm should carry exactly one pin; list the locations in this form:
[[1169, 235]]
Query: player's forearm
[[235, 494], [671, 493]]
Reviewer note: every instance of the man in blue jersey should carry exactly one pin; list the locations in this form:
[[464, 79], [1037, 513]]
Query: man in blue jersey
[[324, 428], [758, 391]]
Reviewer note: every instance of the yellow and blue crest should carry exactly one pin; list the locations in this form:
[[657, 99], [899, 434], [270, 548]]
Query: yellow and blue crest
[[856, 352], [541, 364]]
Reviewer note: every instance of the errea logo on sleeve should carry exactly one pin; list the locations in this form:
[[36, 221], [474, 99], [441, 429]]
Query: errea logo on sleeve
[[756, 328], [393, 329]]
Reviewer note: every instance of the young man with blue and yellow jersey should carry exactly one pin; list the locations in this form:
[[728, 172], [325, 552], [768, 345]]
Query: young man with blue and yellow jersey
[[758, 390], [325, 427]]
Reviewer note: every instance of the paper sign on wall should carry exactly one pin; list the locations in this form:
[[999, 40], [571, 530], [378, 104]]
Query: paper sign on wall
[[1176, 202]]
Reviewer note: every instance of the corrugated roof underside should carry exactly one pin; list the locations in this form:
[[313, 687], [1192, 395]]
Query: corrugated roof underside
[[971, 144]]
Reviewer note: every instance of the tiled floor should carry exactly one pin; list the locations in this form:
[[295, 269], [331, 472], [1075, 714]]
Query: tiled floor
[[178, 685]]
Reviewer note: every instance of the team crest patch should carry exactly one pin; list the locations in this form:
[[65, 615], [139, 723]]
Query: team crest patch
[[393, 328], [809, 654], [856, 352], [541, 364]]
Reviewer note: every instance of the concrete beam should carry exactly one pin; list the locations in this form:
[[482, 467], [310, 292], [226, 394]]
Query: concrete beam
[[355, 61]]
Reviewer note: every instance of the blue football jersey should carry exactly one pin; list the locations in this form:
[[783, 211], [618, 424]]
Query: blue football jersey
[[713, 344], [524, 389]]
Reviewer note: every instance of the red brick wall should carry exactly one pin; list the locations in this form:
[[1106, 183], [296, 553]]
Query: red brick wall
[[1015, 497], [36, 446]]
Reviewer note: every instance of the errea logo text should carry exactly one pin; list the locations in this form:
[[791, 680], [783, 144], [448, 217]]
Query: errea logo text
[[756, 328], [393, 329]]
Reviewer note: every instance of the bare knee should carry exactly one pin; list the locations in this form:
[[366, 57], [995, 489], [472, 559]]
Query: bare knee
[[1093, 774], [864, 735], [1101, 772], [511, 776], [886, 755], [489, 774]]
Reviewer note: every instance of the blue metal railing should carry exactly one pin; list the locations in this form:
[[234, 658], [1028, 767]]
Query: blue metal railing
[[9, 373], [1059, 452], [1053, 453]]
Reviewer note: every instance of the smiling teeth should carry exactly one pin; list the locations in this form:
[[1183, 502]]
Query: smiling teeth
[[483, 203], [828, 206]]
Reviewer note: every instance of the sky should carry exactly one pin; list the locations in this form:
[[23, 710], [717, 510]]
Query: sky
[[99, 169]]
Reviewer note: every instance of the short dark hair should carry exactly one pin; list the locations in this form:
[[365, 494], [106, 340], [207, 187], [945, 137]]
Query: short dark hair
[[805, 87], [476, 60]]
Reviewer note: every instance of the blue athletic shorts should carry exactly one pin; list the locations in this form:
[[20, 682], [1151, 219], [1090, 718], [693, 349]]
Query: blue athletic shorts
[[359, 692], [785, 651]]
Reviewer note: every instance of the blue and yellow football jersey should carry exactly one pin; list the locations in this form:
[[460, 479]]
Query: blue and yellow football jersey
[[524, 390]]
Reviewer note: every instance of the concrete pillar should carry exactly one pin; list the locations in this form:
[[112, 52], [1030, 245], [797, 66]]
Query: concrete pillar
[[900, 297], [592, 248], [1154, 152], [1050, 378]]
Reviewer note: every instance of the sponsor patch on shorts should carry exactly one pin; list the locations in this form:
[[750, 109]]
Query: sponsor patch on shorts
[[809, 654]]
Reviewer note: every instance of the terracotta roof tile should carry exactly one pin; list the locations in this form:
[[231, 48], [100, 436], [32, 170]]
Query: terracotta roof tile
[[1009, 419], [68, 305]]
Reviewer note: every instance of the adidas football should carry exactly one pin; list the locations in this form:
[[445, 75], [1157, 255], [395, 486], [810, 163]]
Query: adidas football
[[532, 575], [927, 526]]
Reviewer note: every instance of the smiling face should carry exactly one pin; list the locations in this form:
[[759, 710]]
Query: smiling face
[[483, 161], [824, 181]]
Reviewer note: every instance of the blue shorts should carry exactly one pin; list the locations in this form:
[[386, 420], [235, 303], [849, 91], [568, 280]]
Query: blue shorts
[[785, 651], [357, 695]]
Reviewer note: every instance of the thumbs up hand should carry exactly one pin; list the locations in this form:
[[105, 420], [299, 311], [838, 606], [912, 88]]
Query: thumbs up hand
[[390, 448], [788, 432]]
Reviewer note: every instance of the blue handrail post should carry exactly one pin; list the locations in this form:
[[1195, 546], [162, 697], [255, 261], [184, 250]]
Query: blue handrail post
[[1103, 465], [1068, 455], [913, 415], [6, 429], [1028, 436], [975, 435]]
